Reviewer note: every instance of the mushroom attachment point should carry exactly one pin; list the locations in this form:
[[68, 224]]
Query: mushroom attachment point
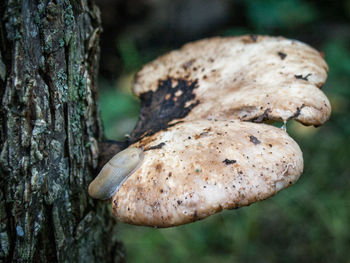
[[115, 172]]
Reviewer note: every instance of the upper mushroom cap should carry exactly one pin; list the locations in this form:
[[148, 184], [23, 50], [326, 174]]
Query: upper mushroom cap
[[249, 78], [195, 169]]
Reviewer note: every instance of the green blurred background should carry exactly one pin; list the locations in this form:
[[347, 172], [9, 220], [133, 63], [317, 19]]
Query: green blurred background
[[308, 222]]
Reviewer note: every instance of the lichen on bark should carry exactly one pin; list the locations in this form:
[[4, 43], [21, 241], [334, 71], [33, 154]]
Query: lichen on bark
[[49, 134]]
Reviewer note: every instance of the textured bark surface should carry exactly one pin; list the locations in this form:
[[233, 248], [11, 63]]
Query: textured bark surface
[[49, 134]]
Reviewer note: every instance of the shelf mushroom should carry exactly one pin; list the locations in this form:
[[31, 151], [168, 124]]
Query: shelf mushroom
[[205, 146]]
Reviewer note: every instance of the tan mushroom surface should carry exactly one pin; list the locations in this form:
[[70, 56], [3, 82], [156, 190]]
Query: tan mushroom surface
[[195, 169], [205, 146], [250, 78]]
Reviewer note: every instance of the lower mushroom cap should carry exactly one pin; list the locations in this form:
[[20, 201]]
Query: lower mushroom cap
[[195, 169]]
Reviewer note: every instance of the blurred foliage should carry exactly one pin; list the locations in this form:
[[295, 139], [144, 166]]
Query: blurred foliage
[[266, 15], [308, 222], [128, 51], [119, 107]]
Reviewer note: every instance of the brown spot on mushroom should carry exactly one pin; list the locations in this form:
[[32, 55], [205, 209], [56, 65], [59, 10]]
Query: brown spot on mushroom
[[254, 38], [195, 215], [159, 167], [263, 117], [250, 39], [297, 112], [303, 78], [282, 55], [254, 140], [201, 135], [227, 161], [158, 146], [188, 64], [146, 140]]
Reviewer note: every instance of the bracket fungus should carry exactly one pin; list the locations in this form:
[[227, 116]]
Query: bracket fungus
[[205, 145]]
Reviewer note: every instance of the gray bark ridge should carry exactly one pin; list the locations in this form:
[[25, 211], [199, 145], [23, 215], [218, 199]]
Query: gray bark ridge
[[49, 134]]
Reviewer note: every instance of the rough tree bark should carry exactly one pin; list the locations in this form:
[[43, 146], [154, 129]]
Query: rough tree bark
[[49, 134]]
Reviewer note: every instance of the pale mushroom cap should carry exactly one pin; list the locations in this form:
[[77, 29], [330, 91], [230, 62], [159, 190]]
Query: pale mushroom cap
[[249, 78], [195, 169]]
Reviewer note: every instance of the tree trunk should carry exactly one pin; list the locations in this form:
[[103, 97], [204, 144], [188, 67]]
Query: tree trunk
[[49, 134]]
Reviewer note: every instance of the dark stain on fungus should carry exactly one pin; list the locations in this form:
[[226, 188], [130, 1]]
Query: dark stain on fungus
[[249, 39], [282, 55], [227, 161], [297, 112], [188, 64], [303, 78], [254, 38], [158, 146], [195, 215], [201, 135], [263, 117], [158, 109], [254, 140], [159, 167]]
